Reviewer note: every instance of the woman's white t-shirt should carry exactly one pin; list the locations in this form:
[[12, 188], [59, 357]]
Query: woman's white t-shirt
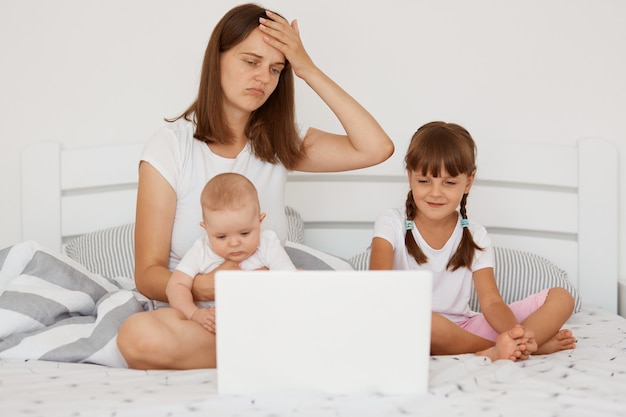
[[187, 164], [451, 289]]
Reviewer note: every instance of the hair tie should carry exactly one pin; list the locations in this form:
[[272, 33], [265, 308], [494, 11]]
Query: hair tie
[[409, 225], [464, 223]]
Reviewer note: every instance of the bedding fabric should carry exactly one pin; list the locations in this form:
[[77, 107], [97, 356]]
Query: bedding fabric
[[53, 308], [585, 382]]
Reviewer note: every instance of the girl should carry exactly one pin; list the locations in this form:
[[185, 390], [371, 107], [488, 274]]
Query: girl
[[243, 120], [434, 233]]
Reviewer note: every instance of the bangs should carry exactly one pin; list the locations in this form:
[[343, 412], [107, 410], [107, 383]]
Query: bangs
[[440, 150]]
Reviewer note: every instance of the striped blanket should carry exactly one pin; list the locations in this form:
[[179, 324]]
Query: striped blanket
[[52, 308]]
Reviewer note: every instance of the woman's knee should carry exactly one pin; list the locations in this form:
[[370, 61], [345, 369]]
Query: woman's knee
[[138, 340], [164, 339]]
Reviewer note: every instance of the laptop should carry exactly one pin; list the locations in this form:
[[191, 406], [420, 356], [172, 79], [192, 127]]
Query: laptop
[[330, 332]]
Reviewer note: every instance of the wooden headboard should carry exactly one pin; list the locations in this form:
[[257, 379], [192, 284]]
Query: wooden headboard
[[555, 200]]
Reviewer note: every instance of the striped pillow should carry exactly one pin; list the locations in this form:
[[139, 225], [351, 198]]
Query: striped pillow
[[108, 252], [518, 275], [295, 226], [111, 252], [361, 261]]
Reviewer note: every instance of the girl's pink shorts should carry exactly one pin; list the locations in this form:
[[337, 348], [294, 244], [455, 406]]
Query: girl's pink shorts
[[521, 309]]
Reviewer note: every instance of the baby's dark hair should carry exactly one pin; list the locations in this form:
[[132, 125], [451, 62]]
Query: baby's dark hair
[[437, 147]]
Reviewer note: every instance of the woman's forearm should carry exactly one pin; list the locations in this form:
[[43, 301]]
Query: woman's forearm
[[365, 133], [152, 282]]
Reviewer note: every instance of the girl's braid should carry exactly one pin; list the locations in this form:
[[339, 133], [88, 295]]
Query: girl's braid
[[409, 240], [464, 255]]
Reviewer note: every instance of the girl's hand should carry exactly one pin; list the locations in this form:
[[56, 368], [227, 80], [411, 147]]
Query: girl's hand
[[286, 38], [206, 318]]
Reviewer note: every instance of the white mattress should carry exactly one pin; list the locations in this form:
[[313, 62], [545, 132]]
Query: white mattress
[[587, 381]]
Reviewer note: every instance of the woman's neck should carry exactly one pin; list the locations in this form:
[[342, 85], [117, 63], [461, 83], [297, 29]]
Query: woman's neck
[[237, 125], [230, 150]]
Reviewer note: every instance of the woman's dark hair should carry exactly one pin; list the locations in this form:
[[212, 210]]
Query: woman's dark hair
[[271, 128], [434, 148]]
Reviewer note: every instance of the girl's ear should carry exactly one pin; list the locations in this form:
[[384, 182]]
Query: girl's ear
[[470, 181], [261, 217]]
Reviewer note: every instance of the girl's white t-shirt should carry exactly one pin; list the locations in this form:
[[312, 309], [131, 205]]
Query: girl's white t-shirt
[[451, 289], [187, 164]]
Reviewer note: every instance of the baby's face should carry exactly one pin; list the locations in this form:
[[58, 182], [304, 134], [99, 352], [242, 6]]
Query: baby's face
[[233, 234]]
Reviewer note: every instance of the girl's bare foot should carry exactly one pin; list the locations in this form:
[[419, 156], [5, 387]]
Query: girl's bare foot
[[562, 340], [509, 345], [530, 345]]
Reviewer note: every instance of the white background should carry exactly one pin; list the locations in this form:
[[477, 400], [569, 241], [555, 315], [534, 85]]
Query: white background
[[85, 72]]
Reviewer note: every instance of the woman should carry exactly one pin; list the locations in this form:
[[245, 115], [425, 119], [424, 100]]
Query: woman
[[243, 120]]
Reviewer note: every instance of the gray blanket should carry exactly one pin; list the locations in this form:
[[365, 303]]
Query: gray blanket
[[52, 308]]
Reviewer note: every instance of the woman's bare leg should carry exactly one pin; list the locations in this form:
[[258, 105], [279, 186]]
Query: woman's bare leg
[[164, 339]]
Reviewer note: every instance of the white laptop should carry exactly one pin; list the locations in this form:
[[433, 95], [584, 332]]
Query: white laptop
[[331, 332]]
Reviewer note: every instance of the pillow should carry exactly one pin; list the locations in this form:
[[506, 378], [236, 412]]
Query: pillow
[[111, 252], [307, 258], [518, 274], [108, 252], [295, 226], [361, 261]]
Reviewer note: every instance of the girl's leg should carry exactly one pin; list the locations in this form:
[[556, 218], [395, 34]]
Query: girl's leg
[[547, 320], [164, 339], [509, 345], [447, 338]]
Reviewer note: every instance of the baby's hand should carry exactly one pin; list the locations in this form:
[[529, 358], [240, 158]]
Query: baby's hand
[[206, 318]]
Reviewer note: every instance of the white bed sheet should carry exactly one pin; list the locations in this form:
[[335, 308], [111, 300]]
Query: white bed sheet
[[587, 381]]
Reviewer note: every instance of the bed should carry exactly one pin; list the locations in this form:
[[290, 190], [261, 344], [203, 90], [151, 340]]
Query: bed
[[539, 202]]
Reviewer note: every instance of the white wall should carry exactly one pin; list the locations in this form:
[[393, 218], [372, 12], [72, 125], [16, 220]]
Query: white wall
[[86, 72]]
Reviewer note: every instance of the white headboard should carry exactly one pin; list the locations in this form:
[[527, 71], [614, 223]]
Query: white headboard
[[555, 200]]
